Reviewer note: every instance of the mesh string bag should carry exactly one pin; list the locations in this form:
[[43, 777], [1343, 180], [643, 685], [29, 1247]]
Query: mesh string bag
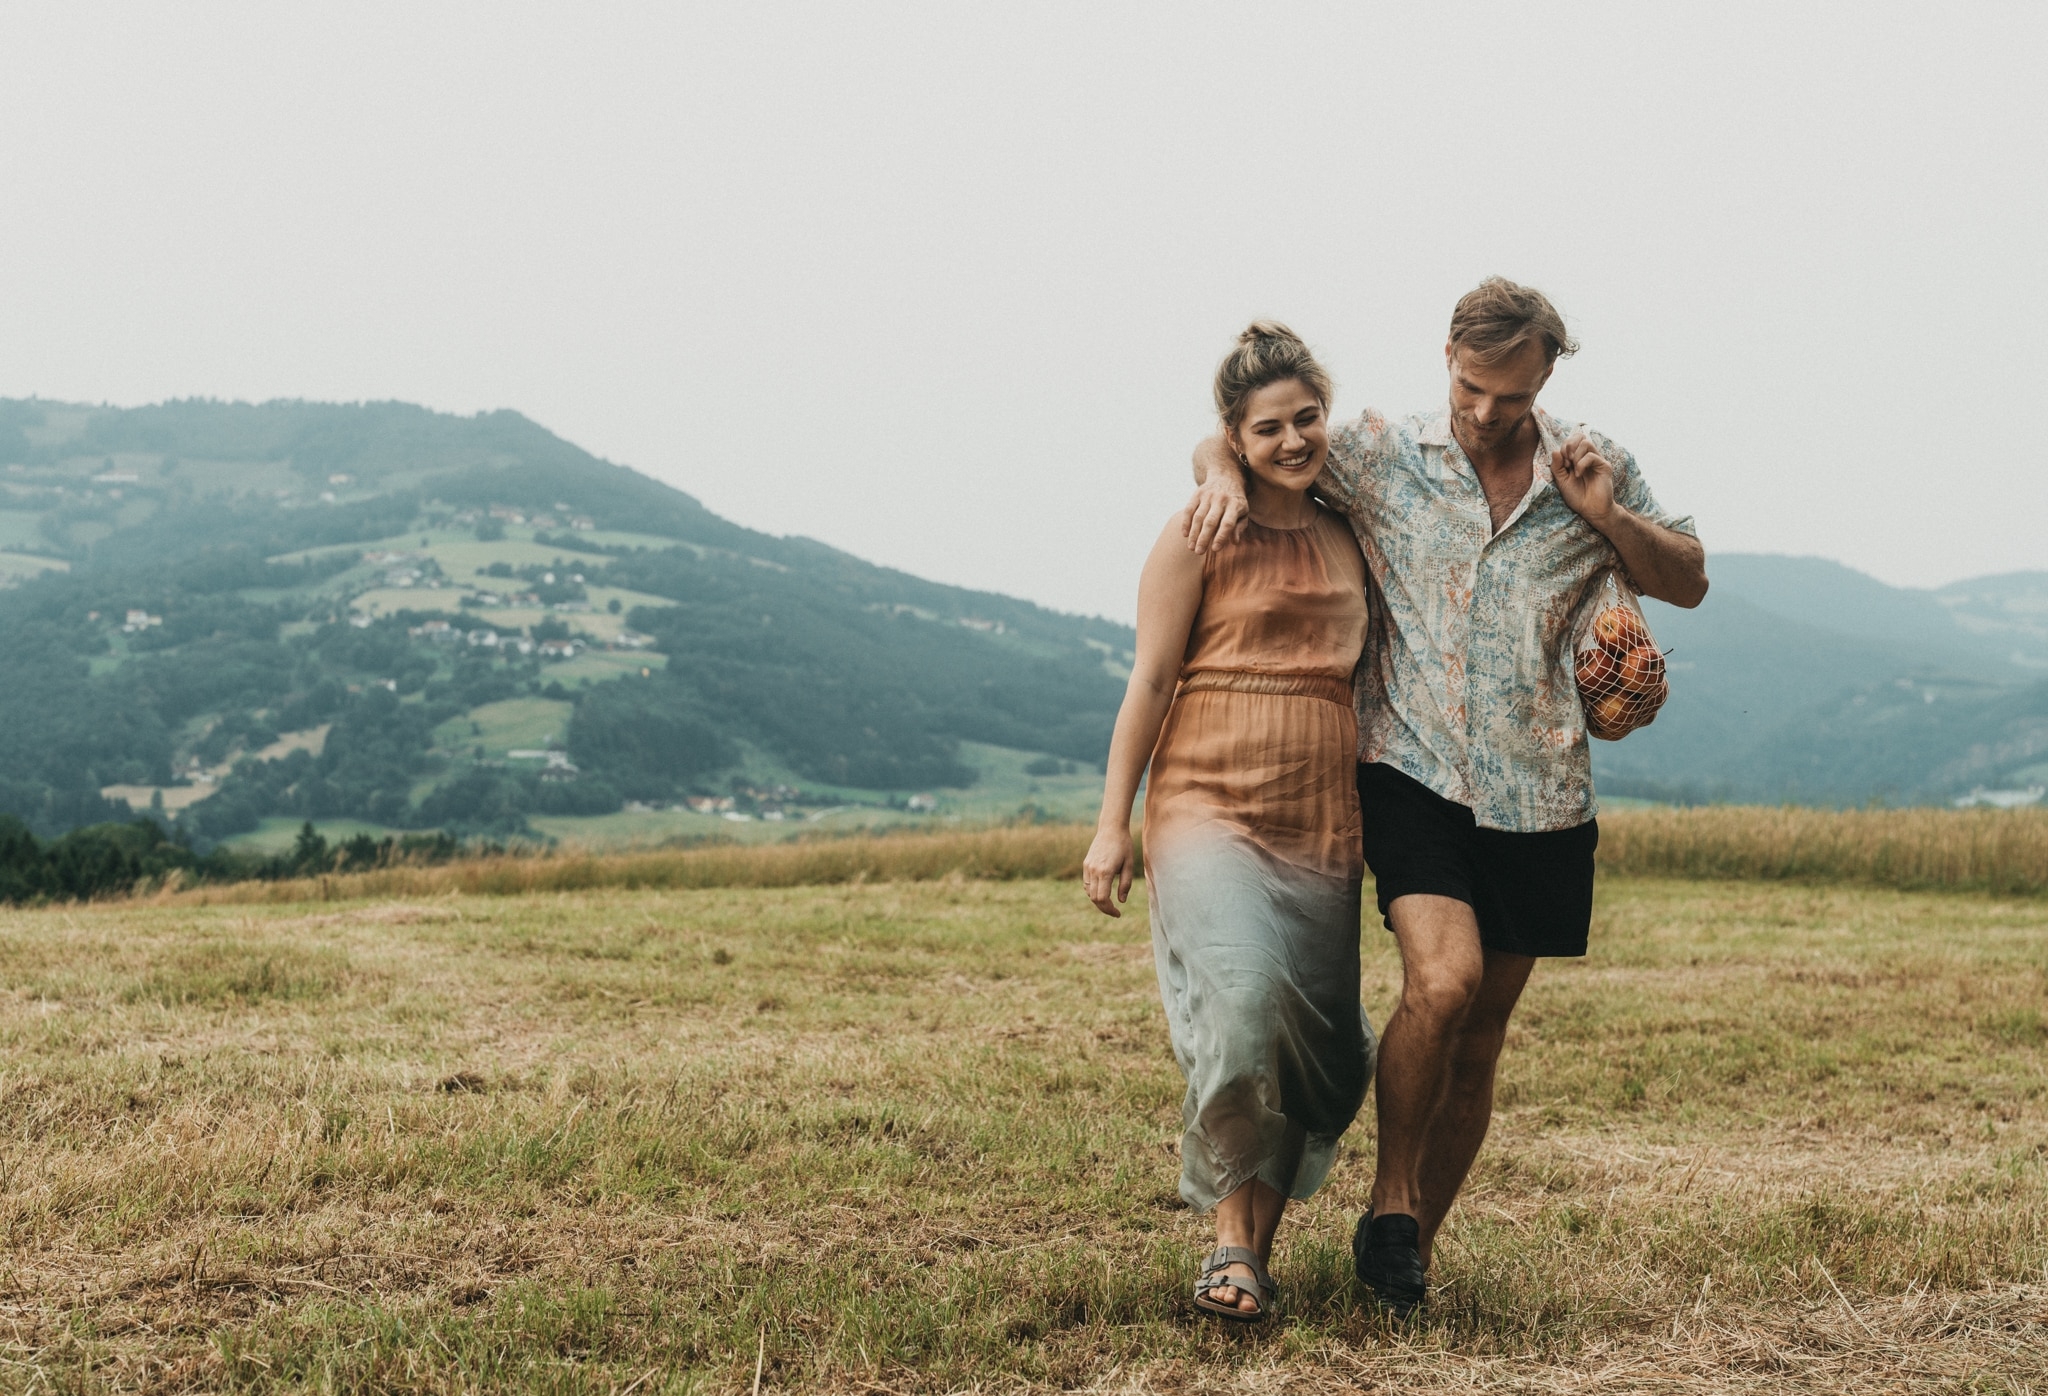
[[1619, 667]]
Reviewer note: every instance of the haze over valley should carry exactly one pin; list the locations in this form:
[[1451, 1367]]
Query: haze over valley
[[381, 618]]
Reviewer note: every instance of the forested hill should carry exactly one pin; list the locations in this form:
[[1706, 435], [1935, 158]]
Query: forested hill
[[242, 616], [383, 613]]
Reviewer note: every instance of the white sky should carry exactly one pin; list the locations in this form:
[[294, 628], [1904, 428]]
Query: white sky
[[944, 284]]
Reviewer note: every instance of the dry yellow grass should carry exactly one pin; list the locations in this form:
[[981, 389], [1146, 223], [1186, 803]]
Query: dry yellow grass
[[917, 1137], [2002, 851], [994, 854]]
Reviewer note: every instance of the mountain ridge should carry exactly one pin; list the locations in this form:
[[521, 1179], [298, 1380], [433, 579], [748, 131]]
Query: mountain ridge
[[888, 671], [450, 599]]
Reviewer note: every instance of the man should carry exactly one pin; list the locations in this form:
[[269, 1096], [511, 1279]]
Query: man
[[1485, 527]]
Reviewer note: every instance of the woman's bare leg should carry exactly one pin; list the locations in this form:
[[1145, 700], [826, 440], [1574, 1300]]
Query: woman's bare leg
[[1249, 1217]]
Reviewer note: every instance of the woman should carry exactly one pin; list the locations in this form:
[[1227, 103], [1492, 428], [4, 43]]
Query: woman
[[1241, 700]]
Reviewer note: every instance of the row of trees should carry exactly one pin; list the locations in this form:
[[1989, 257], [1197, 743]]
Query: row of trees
[[117, 858]]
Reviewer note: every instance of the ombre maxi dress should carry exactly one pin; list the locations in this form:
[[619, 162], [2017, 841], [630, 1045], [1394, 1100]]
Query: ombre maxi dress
[[1253, 864]]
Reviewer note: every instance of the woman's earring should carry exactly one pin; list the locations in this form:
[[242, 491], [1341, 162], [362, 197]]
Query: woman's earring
[[1244, 460]]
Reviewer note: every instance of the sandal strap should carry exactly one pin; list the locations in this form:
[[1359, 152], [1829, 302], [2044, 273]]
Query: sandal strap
[[1231, 1255], [1260, 1285]]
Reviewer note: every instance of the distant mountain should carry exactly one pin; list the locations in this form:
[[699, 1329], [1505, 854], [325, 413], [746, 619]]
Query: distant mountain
[[378, 613], [1827, 596], [1990, 623], [2009, 611], [1801, 679], [381, 613]]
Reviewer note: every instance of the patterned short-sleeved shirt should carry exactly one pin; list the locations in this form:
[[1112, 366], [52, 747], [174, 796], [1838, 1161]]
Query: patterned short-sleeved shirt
[[1466, 683]]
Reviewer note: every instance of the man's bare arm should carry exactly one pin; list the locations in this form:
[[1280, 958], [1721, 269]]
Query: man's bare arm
[[1665, 563], [1218, 512]]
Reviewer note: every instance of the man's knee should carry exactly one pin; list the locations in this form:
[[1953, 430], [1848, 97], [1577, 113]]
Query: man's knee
[[1442, 965], [1442, 989]]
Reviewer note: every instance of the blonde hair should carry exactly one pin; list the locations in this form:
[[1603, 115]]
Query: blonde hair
[[1267, 352], [1497, 317]]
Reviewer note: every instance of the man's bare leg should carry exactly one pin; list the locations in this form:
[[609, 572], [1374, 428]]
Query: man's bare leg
[[1437, 1063], [1466, 1110], [1442, 968]]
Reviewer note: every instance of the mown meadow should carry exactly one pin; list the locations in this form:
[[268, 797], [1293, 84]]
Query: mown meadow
[[906, 1123]]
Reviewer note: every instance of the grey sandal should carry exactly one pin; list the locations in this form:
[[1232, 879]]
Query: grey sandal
[[1261, 1287]]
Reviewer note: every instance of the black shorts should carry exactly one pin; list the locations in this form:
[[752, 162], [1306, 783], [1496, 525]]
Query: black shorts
[[1532, 893]]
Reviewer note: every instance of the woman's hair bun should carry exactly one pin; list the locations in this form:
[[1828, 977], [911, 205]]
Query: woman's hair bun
[[1266, 352], [1266, 329]]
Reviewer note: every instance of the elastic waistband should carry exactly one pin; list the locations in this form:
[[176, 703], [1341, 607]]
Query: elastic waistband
[[1322, 686]]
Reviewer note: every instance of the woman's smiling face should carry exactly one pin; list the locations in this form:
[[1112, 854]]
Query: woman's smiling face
[[1284, 435]]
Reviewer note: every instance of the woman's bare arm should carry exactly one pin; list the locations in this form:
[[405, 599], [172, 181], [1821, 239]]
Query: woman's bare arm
[[1169, 595]]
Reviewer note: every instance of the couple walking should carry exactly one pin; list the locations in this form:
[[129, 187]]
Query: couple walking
[[1355, 645]]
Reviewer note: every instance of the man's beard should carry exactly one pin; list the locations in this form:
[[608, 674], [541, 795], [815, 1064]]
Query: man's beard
[[1466, 429]]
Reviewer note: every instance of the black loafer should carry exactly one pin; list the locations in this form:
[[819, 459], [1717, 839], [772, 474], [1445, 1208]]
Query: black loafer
[[1388, 1253]]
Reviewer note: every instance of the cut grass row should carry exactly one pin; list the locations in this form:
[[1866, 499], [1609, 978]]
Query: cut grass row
[[2003, 852]]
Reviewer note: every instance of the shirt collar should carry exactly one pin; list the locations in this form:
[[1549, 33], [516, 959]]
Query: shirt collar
[[1548, 439]]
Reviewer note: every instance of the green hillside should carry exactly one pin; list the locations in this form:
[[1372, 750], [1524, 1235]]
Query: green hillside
[[381, 618], [386, 616]]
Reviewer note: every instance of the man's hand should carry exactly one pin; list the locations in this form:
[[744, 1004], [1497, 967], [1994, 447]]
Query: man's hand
[[1585, 479], [1662, 562], [1219, 512]]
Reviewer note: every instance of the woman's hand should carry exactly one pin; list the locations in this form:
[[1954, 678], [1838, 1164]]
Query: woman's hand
[[1106, 871]]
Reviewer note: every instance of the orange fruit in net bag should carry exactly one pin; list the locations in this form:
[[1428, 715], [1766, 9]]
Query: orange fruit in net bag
[[1617, 629], [1610, 714], [1642, 669], [1597, 671]]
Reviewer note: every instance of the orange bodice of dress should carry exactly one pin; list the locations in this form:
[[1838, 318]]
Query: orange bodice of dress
[[1261, 740]]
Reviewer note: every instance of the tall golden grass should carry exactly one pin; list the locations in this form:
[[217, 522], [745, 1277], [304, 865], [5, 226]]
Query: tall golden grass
[[1999, 851], [997, 854]]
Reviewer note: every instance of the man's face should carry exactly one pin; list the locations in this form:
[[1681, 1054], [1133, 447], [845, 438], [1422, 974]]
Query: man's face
[[1490, 401]]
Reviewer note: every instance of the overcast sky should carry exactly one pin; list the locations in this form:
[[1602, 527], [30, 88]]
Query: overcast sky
[[944, 284]]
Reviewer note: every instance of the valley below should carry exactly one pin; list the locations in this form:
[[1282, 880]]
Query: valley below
[[239, 620]]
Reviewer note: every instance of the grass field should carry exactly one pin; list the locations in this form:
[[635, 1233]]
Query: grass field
[[20, 565], [21, 528], [918, 1137], [596, 666], [509, 725], [1002, 790], [279, 832]]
